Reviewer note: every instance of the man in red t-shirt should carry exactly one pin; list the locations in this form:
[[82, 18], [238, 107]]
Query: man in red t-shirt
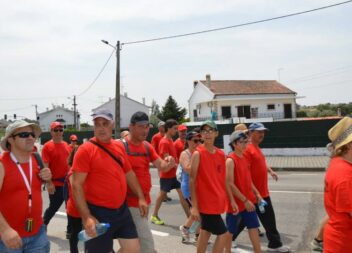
[[158, 136], [55, 153], [259, 172], [101, 172], [140, 154], [168, 179], [181, 140], [208, 193], [21, 223]]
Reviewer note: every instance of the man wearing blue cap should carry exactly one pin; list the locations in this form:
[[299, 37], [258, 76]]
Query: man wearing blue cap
[[259, 172]]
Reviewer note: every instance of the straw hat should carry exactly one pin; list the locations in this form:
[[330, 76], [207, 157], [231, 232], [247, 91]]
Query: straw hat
[[10, 129], [241, 126], [341, 133]]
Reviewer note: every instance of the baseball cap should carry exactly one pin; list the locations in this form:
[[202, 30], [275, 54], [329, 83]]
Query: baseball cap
[[139, 118], [103, 113], [238, 134], [191, 134], [56, 124], [161, 123], [209, 123], [10, 129], [73, 137], [257, 126], [182, 127]]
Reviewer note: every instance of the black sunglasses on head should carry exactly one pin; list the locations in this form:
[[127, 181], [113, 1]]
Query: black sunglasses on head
[[24, 134], [197, 140], [58, 130]]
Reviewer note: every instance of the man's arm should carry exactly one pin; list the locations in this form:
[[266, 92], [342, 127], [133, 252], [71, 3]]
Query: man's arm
[[192, 184], [134, 185], [89, 221], [272, 173], [164, 165], [9, 236], [49, 184]]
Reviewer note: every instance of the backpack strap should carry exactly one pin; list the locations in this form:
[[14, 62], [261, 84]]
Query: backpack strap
[[128, 151], [39, 160], [116, 159]]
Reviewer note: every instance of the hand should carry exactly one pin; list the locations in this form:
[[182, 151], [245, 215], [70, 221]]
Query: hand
[[249, 206], [170, 162], [274, 175], [89, 225], [234, 207], [143, 207], [50, 187], [11, 239], [45, 174], [195, 214], [259, 198]]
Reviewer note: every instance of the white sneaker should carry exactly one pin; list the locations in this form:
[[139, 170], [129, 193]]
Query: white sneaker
[[279, 249], [184, 234], [316, 246]]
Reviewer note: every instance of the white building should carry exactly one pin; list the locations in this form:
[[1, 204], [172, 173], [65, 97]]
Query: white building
[[241, 100], [128, 107], [58, 113]]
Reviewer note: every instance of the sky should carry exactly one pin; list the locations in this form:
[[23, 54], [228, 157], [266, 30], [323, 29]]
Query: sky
[[52, 50]]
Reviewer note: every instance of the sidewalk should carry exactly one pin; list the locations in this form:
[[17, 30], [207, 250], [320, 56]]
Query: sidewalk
[[298, 163]]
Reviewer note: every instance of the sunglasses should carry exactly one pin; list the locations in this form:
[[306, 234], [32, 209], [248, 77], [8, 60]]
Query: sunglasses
[[197, 141], [58, 130], [24, 134]]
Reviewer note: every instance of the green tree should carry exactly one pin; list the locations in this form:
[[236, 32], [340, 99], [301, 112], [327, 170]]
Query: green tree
[[171, 110]]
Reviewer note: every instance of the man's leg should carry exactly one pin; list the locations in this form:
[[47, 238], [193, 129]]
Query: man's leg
[[268, 221], [75, 228], [129, 246], [202, 242], [219, 244], [158, 203], [38, 243], [56, 201], [143, 230]]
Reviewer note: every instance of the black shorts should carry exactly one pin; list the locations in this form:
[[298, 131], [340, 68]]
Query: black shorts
[[168, 184], [213, 223], [121, 226]]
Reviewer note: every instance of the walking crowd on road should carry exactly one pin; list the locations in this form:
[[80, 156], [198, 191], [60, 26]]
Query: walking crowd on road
[[106, 183]]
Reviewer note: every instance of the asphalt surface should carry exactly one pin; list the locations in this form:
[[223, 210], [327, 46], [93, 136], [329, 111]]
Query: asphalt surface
[[297, 198]]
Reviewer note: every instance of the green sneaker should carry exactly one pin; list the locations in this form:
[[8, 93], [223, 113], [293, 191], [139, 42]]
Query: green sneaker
[[156, 220]]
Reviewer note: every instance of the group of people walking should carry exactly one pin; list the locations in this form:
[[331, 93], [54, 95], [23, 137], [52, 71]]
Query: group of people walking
[[108, 181]]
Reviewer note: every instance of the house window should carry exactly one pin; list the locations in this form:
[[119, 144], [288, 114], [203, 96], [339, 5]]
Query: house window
[[271, 106], [244, 111], [195, 113], [226, 112]]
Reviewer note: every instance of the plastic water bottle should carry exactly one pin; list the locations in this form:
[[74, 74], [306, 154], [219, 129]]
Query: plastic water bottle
[[195, 225], [262, 205], [101, 228]]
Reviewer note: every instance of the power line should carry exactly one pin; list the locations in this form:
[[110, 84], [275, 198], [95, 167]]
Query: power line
[[96, 78], [234, 26]]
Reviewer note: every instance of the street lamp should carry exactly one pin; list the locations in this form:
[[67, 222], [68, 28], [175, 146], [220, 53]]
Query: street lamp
[[117, 89]]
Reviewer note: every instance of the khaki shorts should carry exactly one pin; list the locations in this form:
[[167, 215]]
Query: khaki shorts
[[143, 230]]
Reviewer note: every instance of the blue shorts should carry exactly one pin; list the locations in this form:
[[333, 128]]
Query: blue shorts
[[121, 226], [168, 184], [37, 243], [249, 219]]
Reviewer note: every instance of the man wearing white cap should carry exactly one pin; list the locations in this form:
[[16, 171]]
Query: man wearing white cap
[[101, 173], [21, 223]]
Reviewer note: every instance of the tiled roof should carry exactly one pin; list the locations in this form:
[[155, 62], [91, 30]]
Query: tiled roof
[[243, 87]]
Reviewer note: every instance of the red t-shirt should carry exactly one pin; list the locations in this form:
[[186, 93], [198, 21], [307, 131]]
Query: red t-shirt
[[156, 140], [166, 146], [14, 196], [71, 208], [179, 146], [243, 181], [105, 184], [338, 205], [258, 169], [55, 155], [140, 166], [210, 181]]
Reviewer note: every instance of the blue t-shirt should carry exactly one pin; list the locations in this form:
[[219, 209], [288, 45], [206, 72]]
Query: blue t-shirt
[[185, 182]]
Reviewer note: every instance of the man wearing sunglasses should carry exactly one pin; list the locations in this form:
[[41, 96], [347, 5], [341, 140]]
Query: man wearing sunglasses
[[55, 154], [21, 223]]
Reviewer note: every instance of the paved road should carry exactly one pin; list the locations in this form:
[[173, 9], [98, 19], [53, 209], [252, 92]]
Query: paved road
[[297, 198]]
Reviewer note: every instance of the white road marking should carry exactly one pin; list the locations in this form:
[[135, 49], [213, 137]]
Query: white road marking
[[154, 232], [238, 250], [299, 192]]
